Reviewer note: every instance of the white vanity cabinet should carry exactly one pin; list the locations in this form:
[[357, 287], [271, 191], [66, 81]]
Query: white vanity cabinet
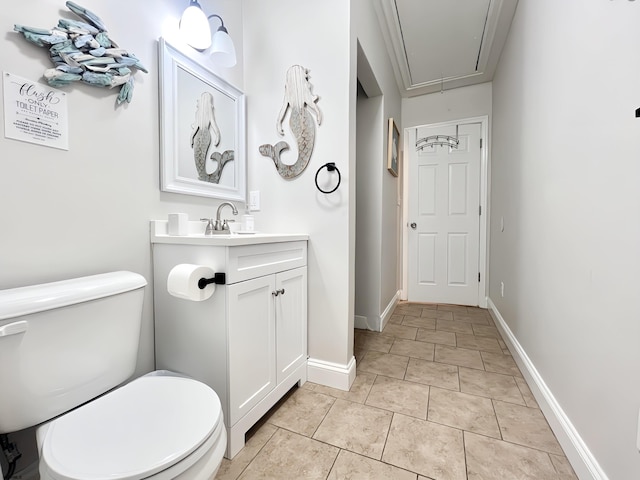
[[267, 339], [249, 340]]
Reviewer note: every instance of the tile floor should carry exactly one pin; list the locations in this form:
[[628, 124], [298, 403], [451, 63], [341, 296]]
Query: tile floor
[[437, 396]]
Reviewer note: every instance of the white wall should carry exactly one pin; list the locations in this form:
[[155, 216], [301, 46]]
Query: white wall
[[464, 102], [566, 164], [317, 36], [377, 283], [87, 210]]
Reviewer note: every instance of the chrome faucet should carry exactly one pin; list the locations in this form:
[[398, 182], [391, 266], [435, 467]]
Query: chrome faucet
[[220, 227]]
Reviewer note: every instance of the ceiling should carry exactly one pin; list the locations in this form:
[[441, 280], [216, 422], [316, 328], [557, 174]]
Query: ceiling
[[437, 45]]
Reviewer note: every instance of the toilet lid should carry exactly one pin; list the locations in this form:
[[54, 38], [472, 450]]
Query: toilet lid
[[135, 431]]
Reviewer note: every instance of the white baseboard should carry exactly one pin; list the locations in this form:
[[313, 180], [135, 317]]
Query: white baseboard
[[582, 460], [386, 315], [362, 322], [376, 324], [332, 374]]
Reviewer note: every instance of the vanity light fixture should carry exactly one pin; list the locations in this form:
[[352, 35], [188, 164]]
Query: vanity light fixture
[[195, 30]]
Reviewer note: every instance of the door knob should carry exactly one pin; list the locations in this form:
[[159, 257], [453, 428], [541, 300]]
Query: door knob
[[413, 225]]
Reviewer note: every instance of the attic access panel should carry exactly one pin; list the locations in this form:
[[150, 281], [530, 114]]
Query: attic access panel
[[442, 38]]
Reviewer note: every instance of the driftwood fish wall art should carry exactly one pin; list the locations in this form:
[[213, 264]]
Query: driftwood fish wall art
[[201, 140], [83, 51], [297, 97]]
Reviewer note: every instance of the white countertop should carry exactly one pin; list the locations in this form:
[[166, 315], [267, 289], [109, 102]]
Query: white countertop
[[158, 230]]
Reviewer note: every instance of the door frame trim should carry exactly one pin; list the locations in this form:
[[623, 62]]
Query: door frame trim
[[483, 257]]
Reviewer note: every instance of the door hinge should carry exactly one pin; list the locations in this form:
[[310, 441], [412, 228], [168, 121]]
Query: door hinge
[[478, 277], [480, 143], [480, 210]]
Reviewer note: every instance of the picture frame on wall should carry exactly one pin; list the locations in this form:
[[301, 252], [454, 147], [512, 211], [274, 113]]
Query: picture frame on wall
[[393, 152], [202, 129]]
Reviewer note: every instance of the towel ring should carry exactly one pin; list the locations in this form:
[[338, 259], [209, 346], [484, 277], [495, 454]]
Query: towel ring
[[331, 166]]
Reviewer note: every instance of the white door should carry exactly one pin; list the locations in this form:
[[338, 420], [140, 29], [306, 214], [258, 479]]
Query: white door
[[444, 217]]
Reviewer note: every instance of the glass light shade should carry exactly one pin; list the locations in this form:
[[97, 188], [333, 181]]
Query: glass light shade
[[223, 52], [194, 27]]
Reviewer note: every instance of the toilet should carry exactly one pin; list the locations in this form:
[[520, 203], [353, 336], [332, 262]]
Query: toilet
[[66, 348]]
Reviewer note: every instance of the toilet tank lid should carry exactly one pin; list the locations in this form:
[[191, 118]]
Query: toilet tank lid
[[16, 302]]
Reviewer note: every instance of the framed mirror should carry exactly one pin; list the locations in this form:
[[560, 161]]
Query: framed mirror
[[202, 129]]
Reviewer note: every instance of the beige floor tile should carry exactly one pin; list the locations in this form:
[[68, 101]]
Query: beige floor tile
[[420, 322], [397, 319], [491, 385], [464, 411], [485, 344], [359, 354], [491, 459], [444, 338], [231, 469], [486, 331], [384, 364], [408, 309], [429, 306], [302, 412], [358, 391], [399, 396], [286, 453], [431, 373], [357, 428], [438, 314], [411, 348], [350, 466], [563, 467], [500, 363], [458, 356], [427, 448], [529, 399], [473, 319], [452, 308], [526, 426], [400, 331], [366, 340], [455, 327], [478, 311]]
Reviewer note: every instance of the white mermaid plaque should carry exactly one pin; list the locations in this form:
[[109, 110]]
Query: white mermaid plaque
[[35, 113], [202, 130], [299, 99]]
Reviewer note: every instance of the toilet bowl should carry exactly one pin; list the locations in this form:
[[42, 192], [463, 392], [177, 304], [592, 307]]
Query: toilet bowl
[[155, 427], [67, 349]]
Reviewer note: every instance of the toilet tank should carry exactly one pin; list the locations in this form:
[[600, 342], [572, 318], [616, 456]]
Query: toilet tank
[[64, 343]]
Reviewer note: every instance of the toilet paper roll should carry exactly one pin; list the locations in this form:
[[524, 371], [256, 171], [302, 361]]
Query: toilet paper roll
[[183, 282]]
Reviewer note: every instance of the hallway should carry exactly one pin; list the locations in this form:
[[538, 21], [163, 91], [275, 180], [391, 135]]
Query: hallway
[[437, 396]]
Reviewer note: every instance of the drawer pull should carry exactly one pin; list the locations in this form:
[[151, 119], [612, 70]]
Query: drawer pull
[[278, 292]]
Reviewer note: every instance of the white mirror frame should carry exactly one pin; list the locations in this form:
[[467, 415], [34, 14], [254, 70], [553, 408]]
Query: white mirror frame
[[175, 135]]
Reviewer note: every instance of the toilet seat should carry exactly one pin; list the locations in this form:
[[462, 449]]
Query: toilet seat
[[134, 432]]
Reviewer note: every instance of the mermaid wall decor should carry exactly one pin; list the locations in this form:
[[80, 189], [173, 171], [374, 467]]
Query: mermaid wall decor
[[301, 101], [201, 140]]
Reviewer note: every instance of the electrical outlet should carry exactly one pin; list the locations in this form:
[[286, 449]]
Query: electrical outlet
[[502, 289], [254, 200]]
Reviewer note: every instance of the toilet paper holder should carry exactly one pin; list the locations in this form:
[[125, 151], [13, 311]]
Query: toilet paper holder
[[218, 279]]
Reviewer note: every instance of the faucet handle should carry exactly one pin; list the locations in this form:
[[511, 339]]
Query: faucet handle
[[210, 228]]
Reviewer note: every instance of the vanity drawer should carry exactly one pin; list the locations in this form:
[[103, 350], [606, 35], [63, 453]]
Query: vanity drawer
[[251, 261]]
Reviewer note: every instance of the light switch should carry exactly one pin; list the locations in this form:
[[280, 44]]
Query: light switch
[[254, 200]]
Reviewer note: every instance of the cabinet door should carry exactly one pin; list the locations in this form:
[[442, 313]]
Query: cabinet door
[[251, 347], [291, 321]]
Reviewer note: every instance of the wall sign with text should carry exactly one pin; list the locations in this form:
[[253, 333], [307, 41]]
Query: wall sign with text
[[35, 113]]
